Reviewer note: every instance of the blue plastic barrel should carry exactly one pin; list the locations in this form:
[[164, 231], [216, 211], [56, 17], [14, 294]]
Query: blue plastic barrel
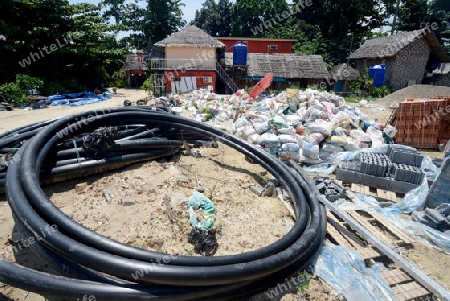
[[240, 51], [377, 72], [338, 86]]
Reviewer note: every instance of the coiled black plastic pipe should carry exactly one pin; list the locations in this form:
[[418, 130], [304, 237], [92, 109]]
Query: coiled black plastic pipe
[[112, 264]]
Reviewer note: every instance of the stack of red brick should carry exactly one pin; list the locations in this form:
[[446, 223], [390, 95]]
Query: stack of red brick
[[423, 122]]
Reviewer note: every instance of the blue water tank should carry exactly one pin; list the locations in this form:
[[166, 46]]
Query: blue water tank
[[240, 51], [338, 86], [377, 72]]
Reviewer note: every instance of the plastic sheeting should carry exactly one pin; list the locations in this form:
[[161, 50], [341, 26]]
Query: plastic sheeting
[[346, 272], [428, 235], [74, 99]]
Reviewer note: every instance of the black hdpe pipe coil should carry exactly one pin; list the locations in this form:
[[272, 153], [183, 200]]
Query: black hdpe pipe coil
[[183, 277]]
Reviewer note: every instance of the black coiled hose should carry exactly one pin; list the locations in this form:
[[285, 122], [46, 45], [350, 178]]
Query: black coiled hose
[[108, 268]]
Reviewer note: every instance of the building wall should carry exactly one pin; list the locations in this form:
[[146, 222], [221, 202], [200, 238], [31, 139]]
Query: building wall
[[200, 78], [410, 64], [190, 56], [260, 46]]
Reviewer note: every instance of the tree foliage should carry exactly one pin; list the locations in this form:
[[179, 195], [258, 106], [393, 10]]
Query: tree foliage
[[215, 18], [412, 15], [254, 17], [152, 22], [56, 41], [417, 14]]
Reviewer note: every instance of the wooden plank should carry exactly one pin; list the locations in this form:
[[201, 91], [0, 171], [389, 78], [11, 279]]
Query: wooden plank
[[407, 239], [366, 252], [395, 276], [387, 195], [375, 231], [409, 291], [382, 194], [403, 237], [355, 188], [340, 240]]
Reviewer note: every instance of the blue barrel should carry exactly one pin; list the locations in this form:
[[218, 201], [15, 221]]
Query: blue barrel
[[338, 86], [240, 51], [377, 72]]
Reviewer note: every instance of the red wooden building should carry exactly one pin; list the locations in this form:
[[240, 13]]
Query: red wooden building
[[260, 45]]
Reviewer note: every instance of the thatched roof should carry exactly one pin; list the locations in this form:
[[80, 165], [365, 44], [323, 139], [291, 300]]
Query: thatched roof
[[389, 46], [134, 62], [190, 36], [284, 65], [344, 72]]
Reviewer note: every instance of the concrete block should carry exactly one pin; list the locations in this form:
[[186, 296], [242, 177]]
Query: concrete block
[[434, 216], [406, 173], [401, 187], [374, 164], [420, 216], [350, 165], [348, 176], [404, 155], [375, 182], [444, 209]]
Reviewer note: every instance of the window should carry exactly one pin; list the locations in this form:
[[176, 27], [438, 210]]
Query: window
[[273, 47], [285, 46]]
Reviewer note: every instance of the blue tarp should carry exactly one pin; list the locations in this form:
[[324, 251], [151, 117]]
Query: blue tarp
[[74, 99]]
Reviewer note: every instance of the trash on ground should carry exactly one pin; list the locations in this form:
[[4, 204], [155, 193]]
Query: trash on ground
[[204, 241], [200, 201]]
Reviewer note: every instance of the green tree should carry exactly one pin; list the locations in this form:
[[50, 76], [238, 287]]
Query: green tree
[[26, 27], [309, 37], [344, 24], [440, 13], [94, 53], [255, 17], [56, 41], [412, 15], [214, 18]]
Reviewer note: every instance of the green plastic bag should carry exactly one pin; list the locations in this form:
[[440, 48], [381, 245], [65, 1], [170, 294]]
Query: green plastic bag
[[200, 201]]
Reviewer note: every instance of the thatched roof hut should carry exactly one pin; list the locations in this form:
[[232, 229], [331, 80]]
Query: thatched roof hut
[[135, 68], [406, 55], [134, 62], [190, 36], [344, 72], [289, 66], [389, 46]]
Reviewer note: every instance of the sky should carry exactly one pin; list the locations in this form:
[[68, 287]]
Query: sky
[[188, 10]]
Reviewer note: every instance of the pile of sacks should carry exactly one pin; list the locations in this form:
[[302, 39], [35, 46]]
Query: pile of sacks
[[208, 106], [308, 126]]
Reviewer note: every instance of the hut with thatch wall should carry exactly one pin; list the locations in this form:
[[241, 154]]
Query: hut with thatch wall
[[341, 75], [135, 68], [287, 69], [407, 56]]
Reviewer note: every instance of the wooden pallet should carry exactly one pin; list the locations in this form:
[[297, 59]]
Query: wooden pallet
[[381, 194], [338, 233], [377, 193], [375, 223], [403, 286]]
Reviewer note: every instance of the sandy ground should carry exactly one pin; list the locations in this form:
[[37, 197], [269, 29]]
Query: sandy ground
[[137, 193], [19, 117]]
